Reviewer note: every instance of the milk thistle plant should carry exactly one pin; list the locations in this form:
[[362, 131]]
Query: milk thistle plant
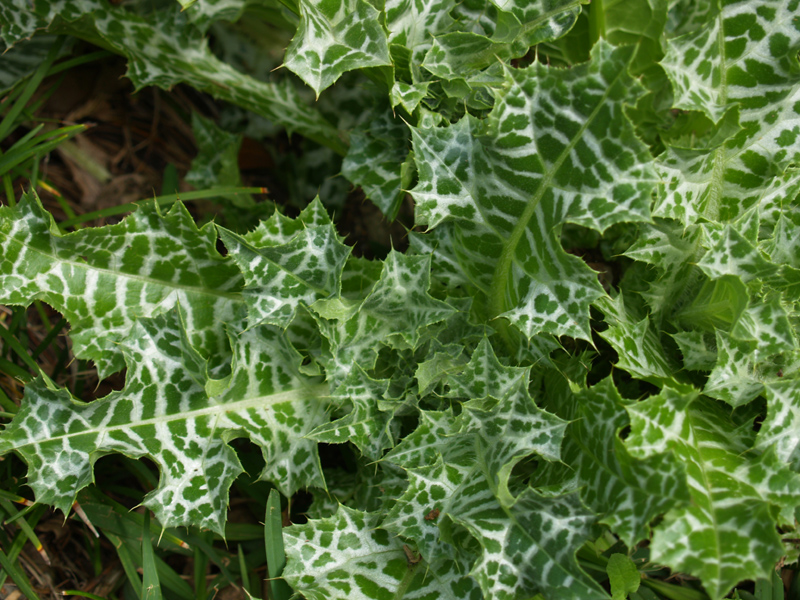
[[582, 374]]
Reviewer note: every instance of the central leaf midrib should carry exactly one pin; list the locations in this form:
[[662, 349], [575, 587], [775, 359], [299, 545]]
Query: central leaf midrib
[[715, 192], [304, 393], [234, 296], [500, 280]]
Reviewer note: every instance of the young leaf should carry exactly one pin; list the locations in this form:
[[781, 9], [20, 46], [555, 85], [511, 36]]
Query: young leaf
[[509, 430], [519, 543], [627, 492], [394, 313], [282, 278], [623, 576], [217, 162], [365, 425], [414, 24], [375, 160], [335, 37]]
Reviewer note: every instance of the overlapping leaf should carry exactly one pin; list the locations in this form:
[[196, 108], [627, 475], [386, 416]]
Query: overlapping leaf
[[394, 312], [528, 547], [556, 147], [281, 277], [742, 60], [167, 51], [413, 25], [629, 493], [347, 557], [479, 499], [508, 34], [780, 429], [376, 158], [639, 348], [365, 425]]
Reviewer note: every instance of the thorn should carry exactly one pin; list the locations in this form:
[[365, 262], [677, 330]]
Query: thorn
[[82, 515]]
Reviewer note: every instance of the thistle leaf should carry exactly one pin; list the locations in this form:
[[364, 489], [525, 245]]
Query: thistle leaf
[[104, 279], [728, 531], [165, 52], [165, 412], [336, 37], [508, 185], [745, 49], [282, 278]]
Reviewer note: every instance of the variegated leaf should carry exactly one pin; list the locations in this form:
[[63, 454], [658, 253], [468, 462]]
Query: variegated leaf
[[742, 60], [281, 278], [508, 430], [414, 24], [508, 186], [104, 279], [393, 313], [639, 348], [347, 557], [217, 160], [365, 425], [728, 531], [376, 158], [167, 51], [529, 547], [627, 493], [781, 429], [514, 29], [167, 412], [335, 37]]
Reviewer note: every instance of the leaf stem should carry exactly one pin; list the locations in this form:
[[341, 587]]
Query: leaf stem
[[597, 21]]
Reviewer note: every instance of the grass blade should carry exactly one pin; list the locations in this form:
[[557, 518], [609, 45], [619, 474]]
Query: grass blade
[[121, 209], [273, 542], [127, 562], [17, 576], [8, 122], [245, 575], [151, 587], [82, 594], [200, 567]]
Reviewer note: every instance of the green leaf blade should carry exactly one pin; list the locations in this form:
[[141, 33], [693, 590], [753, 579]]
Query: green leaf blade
[[336, 37], [103, 279], [509, 184], [728, 531], [166, 413]]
